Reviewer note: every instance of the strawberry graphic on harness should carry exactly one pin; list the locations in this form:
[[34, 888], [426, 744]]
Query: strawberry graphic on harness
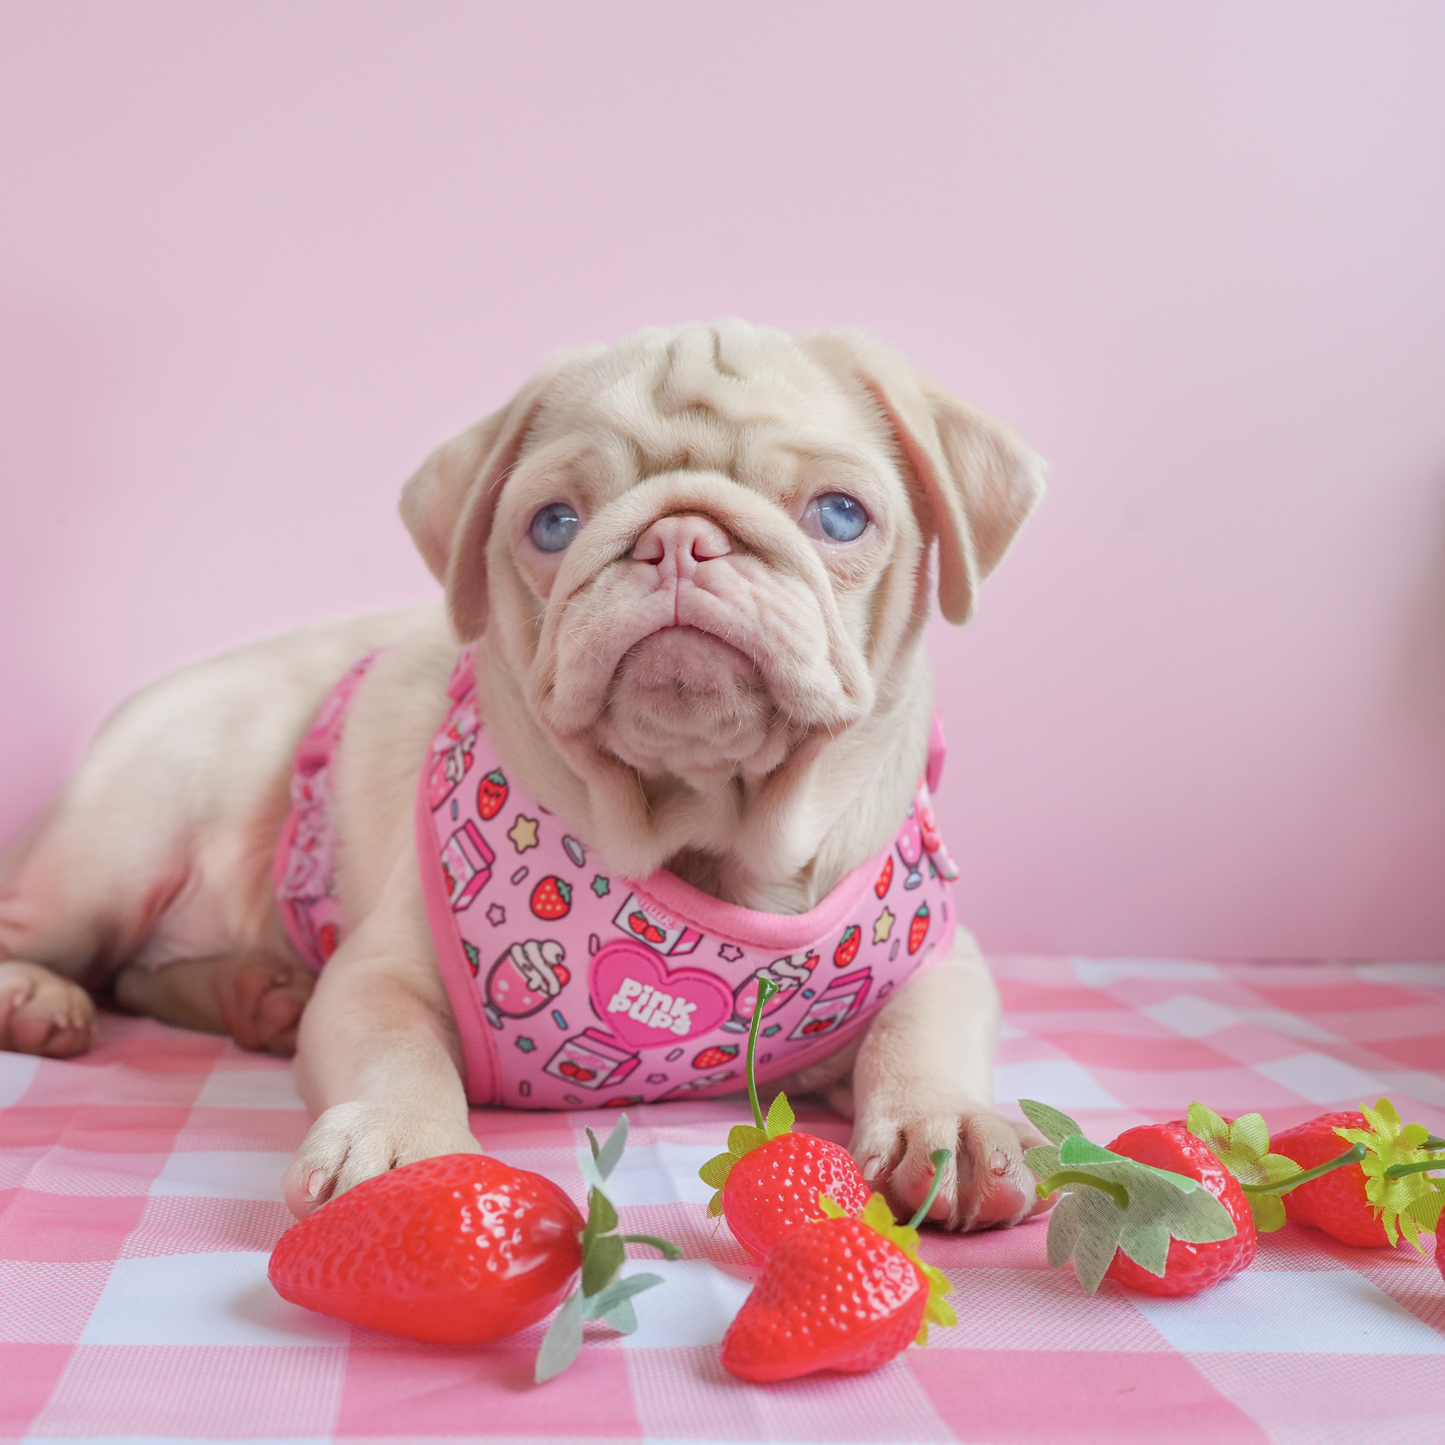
[[492, 793], [918, 929], [715, 1056], [552, 898], [885, 877], [847, 949], [644, 927]]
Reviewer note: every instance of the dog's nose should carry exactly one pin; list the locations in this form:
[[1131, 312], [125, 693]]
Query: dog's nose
[[675, 545]]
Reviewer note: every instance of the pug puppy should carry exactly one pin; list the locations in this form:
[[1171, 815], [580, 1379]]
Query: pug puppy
[[694, 572]]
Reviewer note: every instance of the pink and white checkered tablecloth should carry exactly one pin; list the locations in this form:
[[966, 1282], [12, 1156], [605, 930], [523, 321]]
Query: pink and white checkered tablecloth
[[139, 1201]]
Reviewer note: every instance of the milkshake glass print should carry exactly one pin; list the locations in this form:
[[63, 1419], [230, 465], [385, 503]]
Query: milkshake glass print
[[910, 849]]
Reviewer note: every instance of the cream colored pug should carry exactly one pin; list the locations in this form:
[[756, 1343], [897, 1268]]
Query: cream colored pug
[[695, 570]]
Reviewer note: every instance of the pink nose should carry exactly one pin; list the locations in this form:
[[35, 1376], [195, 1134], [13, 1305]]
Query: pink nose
[[677, 544]]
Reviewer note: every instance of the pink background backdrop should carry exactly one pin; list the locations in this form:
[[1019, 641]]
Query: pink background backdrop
[[256, 259]]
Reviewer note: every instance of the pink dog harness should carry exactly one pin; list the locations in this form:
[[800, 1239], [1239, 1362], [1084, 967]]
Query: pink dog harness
[[573, 987]]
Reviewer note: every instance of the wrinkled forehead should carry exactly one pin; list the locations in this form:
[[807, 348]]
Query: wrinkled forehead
[[704, 398]]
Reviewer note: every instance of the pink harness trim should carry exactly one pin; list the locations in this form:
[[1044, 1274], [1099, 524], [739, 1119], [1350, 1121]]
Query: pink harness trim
[[572, 987]]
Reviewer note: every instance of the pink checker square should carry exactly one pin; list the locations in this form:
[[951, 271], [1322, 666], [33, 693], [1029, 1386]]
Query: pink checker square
[[65, 1227], [1164, 1052], [411, 1391], [1086, 1397], [27, 1376]]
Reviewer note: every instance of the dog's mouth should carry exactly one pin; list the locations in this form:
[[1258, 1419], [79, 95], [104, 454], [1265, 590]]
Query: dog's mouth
[[685, 699]]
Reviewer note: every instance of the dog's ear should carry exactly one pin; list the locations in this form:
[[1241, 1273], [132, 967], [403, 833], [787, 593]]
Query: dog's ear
[[976, 479], [449, 503]]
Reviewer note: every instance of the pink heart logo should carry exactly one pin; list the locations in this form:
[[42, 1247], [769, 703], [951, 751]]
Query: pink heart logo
[[646, 1004]]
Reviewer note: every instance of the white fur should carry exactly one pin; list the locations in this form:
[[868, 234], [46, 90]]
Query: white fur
[[698, 681]]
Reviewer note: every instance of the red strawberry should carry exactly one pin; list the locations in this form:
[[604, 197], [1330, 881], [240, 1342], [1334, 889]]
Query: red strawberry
[[455, 1250], [885, 877], [552, 898], [840, 1293], [1335, 1203], [1190, 1267], [713, 1057], [769, 1181], [847, 949], [1373, 1202], [918, 929], [492, 793]]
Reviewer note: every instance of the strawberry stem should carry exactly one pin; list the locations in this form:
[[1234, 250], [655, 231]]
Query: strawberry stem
[[766, 989], [1352, 1155], [1433, 1142], [939, 1158], [665, 1247], [1112, 1188], [1398, 1171]]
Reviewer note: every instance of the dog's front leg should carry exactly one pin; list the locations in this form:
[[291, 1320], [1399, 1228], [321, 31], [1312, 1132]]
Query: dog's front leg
[[377, 1058], [923, 1081]]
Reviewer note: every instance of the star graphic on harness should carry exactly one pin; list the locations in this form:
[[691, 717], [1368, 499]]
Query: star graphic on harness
[[730, 952], [496, 915], [883, 926], [523, 833]]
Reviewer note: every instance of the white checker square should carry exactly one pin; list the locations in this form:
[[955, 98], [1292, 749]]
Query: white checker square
[[1062, 1082], [1097, 972], [694, 1306], [1197, 1018], [17, 1071], [249, 1089], [220, 1174], [1323, 1080], [1412, 975], [202, 1299], [662, 1173], [1320, 1312]]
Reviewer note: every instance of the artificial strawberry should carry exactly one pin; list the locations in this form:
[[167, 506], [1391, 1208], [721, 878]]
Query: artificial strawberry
[[1188, 1267], [462, 1249], [918, 929], [769, 1181], [1117, 1208], [841, 1292], [454, 1250], [552, 898], [885, 877], [847, 949], [1374, 1201], [492, 793]]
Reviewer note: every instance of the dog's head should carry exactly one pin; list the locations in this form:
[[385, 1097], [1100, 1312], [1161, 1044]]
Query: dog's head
[[700, 559]]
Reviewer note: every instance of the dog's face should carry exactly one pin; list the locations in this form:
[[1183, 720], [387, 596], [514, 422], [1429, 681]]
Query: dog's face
[[702, 556]]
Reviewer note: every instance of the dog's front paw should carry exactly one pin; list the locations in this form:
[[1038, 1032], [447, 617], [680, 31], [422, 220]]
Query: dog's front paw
[[986, 1183], [42, 1013], [351, 1142]]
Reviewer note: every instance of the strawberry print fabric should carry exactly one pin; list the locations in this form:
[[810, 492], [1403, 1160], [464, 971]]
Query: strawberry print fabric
[[573, 986], [140, 1198]]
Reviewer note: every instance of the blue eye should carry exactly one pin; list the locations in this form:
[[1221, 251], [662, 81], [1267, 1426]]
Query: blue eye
[[555, 526], [841, 518]]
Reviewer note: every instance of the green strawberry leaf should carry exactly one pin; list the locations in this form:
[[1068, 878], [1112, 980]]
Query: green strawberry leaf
[[608, 1155], [1147, 1245], [563, 1341], [600, 1262], [717, 1169], [1078, 1150], [1408, 1204], [780, 1117], [1243, 1148], [622, 1317], [744, 1137], [1043, 1160], [1088, 1225], [715, 1206], [1054, 1126]]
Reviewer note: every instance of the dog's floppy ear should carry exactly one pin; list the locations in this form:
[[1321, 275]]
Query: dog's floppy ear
[[977, 479], [448, 504]]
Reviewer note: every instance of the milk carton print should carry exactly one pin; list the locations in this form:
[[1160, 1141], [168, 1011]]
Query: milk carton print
[[647, 923], [841, 1001], [466, 865], [591, 1060]]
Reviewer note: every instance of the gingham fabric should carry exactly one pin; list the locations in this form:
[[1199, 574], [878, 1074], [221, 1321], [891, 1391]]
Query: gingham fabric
[[139, 1200]]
